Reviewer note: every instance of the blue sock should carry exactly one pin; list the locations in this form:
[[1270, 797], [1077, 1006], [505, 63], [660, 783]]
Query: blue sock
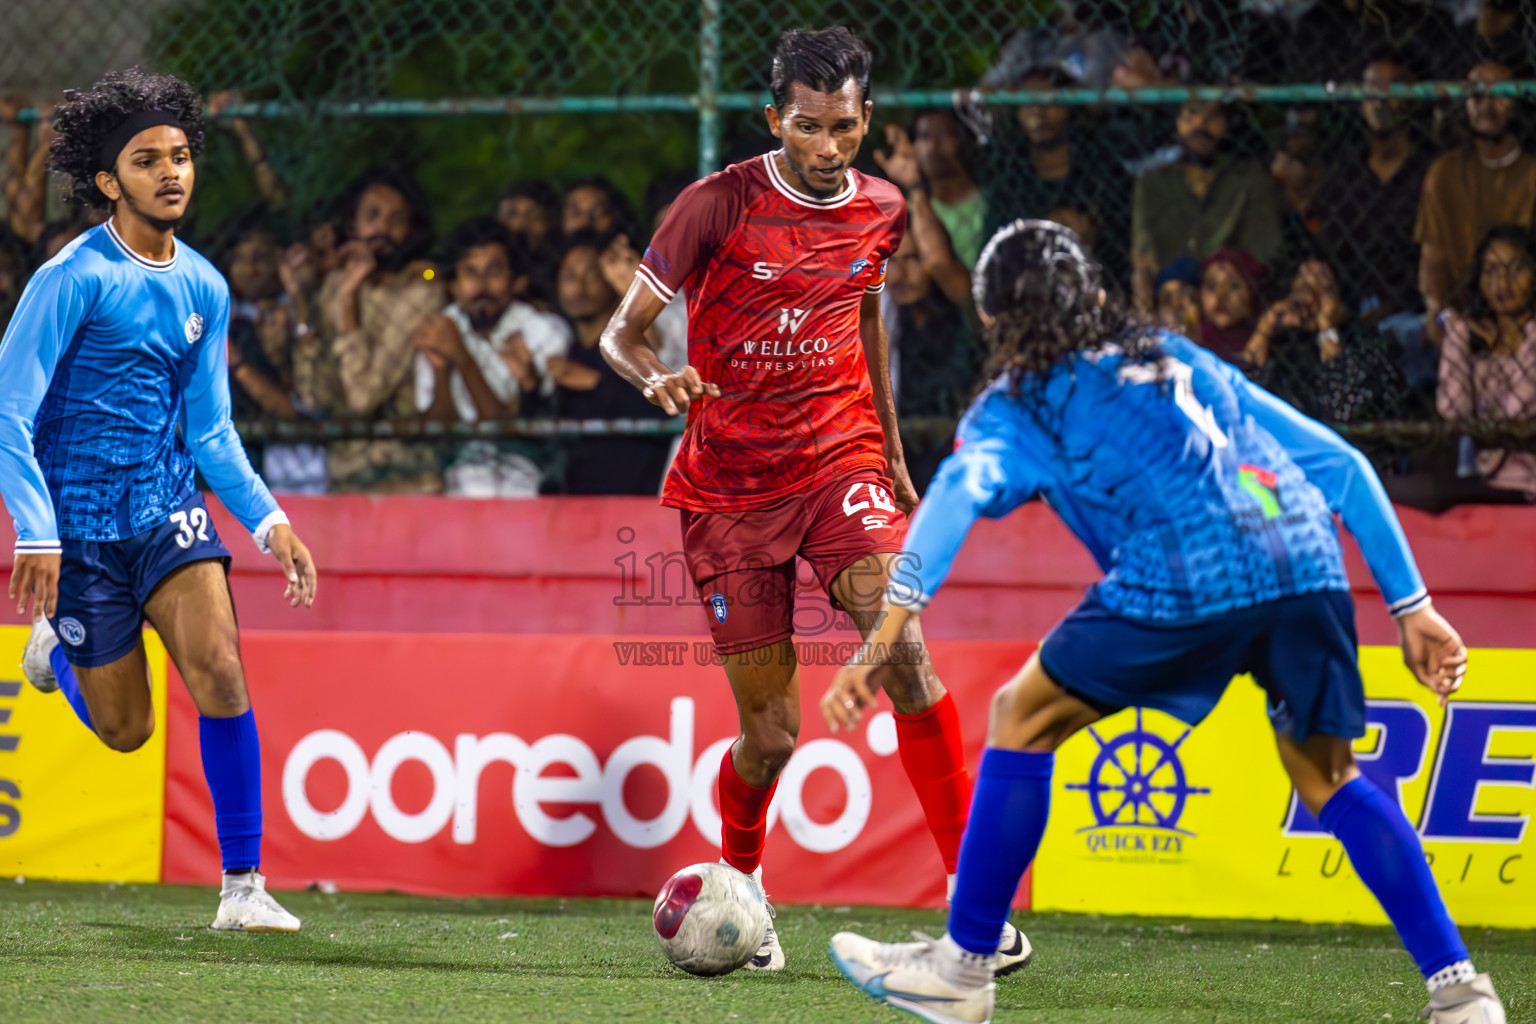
[[1008, 813], [69, 686], [232, 766], [1389, 859]]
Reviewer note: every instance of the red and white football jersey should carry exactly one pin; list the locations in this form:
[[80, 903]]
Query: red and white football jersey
[[774, 281]]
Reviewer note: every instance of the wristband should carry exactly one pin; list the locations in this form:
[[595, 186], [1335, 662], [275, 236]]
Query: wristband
[[1415, 602]]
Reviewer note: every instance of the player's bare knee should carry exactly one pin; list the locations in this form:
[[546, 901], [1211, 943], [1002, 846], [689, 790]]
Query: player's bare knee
[[1008, 707], [765, 750], [777, 746], [1318, 767], [220, 684], [1314, 791], [1029, 716], [128, 733]]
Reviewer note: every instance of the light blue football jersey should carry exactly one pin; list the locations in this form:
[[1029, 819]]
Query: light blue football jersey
[[1195, 490], [113, 380]]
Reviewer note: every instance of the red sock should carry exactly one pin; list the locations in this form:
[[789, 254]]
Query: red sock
[[932, 754], [744, 817]]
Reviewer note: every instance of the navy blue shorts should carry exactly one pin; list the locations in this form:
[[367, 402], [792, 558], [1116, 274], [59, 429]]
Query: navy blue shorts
[[104, 585], [1301, 650]]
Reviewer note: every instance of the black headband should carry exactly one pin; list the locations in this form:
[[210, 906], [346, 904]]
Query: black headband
[[118, 137]]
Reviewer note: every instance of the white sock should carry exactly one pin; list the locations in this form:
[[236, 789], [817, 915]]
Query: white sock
[[1459, 972], [961, 966]]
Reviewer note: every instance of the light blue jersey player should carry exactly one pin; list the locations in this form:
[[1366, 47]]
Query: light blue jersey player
[[113, 383], [1209, 504]]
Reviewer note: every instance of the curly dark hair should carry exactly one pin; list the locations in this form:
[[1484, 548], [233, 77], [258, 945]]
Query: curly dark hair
[[479, 231], [418, 240], [1041, 294], [84, 119]]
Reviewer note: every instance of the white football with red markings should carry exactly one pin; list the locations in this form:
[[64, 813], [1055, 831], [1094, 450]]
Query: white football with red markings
[[710, 919]]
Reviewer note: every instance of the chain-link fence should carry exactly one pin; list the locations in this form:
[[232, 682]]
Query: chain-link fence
[[1303, 185]]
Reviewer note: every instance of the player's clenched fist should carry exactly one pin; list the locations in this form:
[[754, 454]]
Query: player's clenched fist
[[674, 392]]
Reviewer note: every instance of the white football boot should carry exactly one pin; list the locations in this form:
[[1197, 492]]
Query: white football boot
[[246, 906], [770, 955], [34, 657], [919, 977], [1014, 952], [1471, 1002]]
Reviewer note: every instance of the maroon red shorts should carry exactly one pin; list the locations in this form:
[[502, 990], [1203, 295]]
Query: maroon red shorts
[[743, 562]]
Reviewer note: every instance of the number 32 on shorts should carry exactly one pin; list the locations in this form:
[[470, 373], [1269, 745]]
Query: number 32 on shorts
[[190, 525], [879, 498]]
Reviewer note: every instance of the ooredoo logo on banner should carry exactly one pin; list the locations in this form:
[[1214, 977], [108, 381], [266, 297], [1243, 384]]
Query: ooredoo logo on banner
[[455, 787], [551, 765], [1150, 817]]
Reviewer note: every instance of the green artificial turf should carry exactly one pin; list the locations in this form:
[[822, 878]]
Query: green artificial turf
[[76, 952]]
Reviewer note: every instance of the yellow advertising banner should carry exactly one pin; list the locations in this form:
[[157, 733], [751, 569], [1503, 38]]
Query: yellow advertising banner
[[70, 807], [1151, 817]]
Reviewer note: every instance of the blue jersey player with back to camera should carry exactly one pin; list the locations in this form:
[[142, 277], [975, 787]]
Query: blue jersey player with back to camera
[[1209, 504], [113, 382]]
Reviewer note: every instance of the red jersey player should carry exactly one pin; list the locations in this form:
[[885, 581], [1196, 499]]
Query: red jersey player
[[791, 445]]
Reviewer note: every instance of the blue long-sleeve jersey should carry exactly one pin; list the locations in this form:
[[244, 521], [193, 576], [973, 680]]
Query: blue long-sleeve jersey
[[113, 379], [1196, 491]]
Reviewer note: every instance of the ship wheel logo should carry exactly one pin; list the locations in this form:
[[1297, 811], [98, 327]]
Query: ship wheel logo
[[1138, 781]]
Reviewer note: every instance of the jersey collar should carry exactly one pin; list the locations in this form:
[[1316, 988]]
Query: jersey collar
[[830, 203], [158, 266]]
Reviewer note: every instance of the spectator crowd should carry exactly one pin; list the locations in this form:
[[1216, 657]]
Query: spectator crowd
[[1367, 262]]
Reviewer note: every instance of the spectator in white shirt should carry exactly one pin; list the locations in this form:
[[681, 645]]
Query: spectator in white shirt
[[487, 356]]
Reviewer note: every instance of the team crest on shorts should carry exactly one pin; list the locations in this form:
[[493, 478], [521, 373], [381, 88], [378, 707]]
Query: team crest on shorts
[[717, 602], [71, 632], [193, 328]]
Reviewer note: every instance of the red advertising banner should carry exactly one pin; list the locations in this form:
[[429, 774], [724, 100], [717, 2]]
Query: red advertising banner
[[613, 565], [554, 765]]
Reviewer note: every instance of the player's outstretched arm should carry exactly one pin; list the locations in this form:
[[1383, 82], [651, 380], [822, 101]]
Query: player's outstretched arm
[[1432, 649], [625, 349], [216, 449], [1353, 489]]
